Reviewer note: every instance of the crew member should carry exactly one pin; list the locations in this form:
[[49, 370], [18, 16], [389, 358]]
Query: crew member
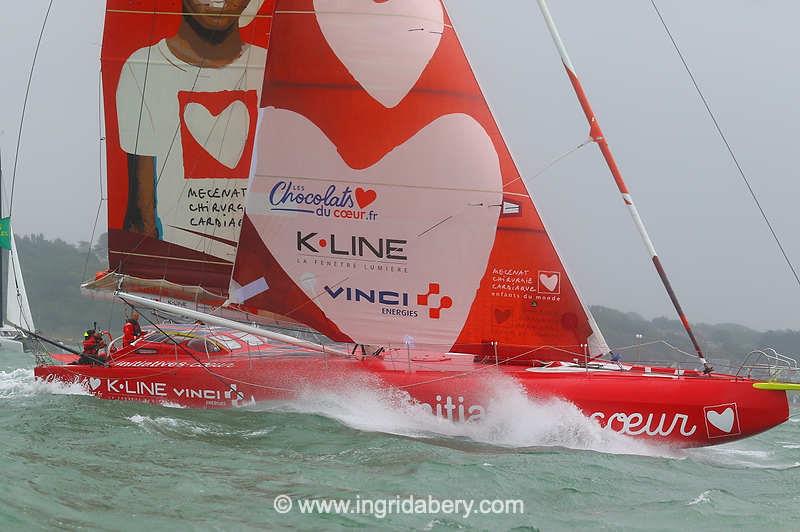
[[92, 344], [131, 330]]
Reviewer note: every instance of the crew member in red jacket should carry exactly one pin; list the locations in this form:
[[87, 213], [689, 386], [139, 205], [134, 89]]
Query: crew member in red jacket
[[131, 330], [92, 344]]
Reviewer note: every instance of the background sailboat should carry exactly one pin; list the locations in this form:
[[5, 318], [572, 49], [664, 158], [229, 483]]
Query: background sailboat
[[17, 309], [14, 306]]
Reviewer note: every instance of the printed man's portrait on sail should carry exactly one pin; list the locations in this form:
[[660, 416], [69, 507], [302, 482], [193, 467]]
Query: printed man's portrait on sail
[[187, 109]]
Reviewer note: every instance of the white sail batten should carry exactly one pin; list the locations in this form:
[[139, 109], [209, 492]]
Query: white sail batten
[[210, 319]]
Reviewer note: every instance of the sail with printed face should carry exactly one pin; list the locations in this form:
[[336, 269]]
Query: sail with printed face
[[384, 206], [181, 82]]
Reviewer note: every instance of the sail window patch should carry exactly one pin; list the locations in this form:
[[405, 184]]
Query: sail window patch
[[240, 294], [511, 208]]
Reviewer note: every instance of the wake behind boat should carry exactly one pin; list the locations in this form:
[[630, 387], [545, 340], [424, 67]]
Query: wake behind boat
[[383, 210]]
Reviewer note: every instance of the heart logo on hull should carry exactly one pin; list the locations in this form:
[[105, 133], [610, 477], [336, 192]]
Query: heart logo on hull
[[94, 383], [367, 36], [722, 421]]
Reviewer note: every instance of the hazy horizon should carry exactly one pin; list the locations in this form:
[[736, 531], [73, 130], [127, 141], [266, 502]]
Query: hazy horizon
[[715, 247]]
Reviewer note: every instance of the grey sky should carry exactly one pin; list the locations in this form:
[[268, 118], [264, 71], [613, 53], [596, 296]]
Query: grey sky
[[708, 232]]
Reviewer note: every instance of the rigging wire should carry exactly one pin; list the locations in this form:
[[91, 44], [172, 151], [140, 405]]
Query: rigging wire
[[103, 198], [139, 120], [551, 164], [727, 145], [18, 145], [166, 158], [25, 105]]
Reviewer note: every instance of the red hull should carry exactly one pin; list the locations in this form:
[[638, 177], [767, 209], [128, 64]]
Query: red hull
[[684, 410]]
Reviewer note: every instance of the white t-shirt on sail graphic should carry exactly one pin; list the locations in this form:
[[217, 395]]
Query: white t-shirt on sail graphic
[[199, 125]]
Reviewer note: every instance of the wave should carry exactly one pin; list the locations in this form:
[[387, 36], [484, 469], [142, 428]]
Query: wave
[[183, 427], [513, 420], [703, 498], [21, 383], [744, 455]]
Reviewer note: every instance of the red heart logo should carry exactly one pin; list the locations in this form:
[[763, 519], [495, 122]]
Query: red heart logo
[[501, 315], [365, 196]]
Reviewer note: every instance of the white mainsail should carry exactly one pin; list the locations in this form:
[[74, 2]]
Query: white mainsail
[[18, 310]]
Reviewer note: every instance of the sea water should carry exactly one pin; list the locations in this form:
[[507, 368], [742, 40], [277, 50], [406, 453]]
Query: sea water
[[69, 460]]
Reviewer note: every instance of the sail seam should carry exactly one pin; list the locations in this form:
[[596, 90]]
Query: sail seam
[[182, 13], [375, 183], [385, 15], [223, 263]]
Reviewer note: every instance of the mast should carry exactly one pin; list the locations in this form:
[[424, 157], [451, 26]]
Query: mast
[[597, 136]]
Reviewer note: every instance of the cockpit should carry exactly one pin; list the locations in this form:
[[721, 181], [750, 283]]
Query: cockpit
[[192, 341]]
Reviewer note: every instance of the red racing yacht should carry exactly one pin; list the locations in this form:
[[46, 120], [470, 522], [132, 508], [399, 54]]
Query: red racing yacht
[[213, 367], [332, 167]]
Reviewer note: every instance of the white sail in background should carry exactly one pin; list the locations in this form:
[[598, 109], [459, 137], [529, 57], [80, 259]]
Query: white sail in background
[[18, 311]]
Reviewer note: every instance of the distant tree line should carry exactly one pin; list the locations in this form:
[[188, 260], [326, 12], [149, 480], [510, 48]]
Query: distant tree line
[[725, 342], [54, 270]]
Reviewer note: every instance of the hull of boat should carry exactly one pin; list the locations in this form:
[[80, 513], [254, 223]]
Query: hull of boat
[[683, 410]]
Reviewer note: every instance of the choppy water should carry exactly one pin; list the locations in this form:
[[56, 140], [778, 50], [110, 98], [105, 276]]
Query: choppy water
[[69, 460]]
